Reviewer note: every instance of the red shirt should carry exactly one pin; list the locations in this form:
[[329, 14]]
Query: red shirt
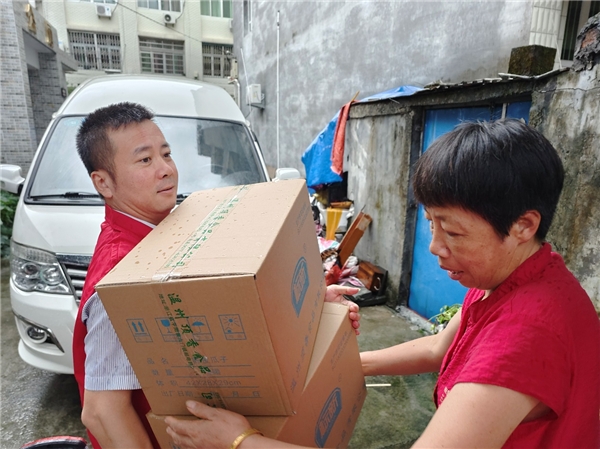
[[538, 334], [119, 234]]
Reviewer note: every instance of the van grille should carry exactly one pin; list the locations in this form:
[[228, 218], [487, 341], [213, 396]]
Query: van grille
[[75, 268]]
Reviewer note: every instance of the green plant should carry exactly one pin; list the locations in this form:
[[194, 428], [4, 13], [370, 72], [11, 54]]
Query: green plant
[[441, 320], [8, 205]]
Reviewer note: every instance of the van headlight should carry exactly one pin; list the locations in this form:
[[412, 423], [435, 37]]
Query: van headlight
[[34, 269]]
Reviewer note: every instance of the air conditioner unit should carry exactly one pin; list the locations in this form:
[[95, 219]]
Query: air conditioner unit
[[169, 19], [103, 10]]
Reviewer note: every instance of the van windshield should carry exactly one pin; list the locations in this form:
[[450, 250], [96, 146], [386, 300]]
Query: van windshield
[[208, 153]]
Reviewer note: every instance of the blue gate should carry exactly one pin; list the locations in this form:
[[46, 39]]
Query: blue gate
[[430, 287]]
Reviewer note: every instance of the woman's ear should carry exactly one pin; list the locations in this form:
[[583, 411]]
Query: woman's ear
[[103, 183], [526, 226]]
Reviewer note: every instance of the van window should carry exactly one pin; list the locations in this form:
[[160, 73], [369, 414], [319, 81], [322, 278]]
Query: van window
[[208, 154]]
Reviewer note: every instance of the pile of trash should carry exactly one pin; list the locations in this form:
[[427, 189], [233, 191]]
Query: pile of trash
[[337, 242]]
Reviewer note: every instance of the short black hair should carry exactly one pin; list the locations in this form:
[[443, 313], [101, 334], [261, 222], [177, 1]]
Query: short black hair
[[498, 169], [93, 144]]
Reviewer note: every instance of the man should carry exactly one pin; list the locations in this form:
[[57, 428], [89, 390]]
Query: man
[[129, 162]]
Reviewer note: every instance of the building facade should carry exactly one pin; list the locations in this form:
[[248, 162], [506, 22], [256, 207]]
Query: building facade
[[175, 37], [33, 83]]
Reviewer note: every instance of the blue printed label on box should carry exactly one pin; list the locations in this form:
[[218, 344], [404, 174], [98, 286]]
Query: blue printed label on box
[[138, 328], [300, 283], [328, 416]]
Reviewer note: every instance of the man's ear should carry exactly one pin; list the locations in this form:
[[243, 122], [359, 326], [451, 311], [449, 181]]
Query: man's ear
[[103, 183], [527, 225]]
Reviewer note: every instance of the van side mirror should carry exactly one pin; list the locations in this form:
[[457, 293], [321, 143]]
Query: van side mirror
[[281, 174], [11, 179]]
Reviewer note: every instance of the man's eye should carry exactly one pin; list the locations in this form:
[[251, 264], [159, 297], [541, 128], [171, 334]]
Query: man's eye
[[168, 155], [146, 159]]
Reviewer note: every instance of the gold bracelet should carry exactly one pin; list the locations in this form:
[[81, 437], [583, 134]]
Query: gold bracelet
[[242, 436]]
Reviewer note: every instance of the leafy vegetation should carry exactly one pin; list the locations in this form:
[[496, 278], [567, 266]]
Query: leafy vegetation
[[441, 320], [8, 205]]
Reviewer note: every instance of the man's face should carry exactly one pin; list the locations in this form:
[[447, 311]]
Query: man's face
[[144, 184]]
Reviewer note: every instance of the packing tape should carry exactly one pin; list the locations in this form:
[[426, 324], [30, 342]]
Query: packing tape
[[172, 268]]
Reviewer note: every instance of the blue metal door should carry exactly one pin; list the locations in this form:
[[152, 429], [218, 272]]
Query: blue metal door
[[430, 287]]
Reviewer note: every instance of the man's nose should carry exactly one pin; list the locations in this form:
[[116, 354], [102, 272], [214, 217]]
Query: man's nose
[[166, 168]]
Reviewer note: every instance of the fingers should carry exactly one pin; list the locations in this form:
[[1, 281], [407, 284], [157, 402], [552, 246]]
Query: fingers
[[343, 290], [201, 410]]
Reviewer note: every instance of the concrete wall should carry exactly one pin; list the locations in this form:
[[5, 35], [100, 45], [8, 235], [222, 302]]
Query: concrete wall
[[378, 159], [566, 112], [329, 51]]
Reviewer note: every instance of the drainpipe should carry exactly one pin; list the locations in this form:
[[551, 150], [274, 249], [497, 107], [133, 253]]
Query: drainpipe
[[238, 90]]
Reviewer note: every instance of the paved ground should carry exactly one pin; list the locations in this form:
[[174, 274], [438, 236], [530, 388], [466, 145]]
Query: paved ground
[[36, 404]]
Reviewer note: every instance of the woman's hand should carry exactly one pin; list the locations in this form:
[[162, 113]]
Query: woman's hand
[[217, 428], [335, 293]]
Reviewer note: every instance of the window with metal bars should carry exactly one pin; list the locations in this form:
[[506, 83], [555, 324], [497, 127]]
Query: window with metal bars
[[216, 61], [216, 8], [161, 56], [96, 51], [578, 12], [162, 5]]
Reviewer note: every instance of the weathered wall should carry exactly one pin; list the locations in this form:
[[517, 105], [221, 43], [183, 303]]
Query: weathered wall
[[566, 111], [17, 127], [330, 50], [383, 140], [378, 162], [32, 72]]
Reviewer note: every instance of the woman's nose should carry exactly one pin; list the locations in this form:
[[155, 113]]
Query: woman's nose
[[438, 247]]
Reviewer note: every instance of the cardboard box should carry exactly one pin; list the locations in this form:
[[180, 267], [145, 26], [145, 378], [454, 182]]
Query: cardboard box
[[221, 301], [332, 398]]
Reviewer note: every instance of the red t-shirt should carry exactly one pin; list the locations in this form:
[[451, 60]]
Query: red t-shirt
[[538, 334], [119, 234]]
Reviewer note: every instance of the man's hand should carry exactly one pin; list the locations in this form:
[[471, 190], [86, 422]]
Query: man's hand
[[335, 293]]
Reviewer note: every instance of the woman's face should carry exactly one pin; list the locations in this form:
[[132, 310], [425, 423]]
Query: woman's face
[[469, 249]]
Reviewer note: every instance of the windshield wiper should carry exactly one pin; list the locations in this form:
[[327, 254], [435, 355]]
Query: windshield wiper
[[66, 195]]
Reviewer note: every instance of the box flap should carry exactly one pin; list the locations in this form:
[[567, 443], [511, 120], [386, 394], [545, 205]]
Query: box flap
[[203, 234]]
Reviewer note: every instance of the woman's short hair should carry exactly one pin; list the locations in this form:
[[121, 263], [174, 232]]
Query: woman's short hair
[[499, 170]]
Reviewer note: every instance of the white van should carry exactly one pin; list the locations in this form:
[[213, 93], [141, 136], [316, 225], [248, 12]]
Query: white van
[[58, 217]]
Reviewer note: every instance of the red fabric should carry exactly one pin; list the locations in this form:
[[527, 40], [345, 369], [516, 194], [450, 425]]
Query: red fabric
[[538, 334], [119, 234], [339, 138]]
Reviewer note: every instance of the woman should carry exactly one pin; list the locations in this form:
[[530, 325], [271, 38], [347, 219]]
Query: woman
[[519, 364]]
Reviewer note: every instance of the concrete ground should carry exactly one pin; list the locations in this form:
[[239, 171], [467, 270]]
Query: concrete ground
[[38, 404], [392, 417]]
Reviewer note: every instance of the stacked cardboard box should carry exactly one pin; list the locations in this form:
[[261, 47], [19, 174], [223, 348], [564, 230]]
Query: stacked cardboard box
[[331, 399], [222, 301]]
